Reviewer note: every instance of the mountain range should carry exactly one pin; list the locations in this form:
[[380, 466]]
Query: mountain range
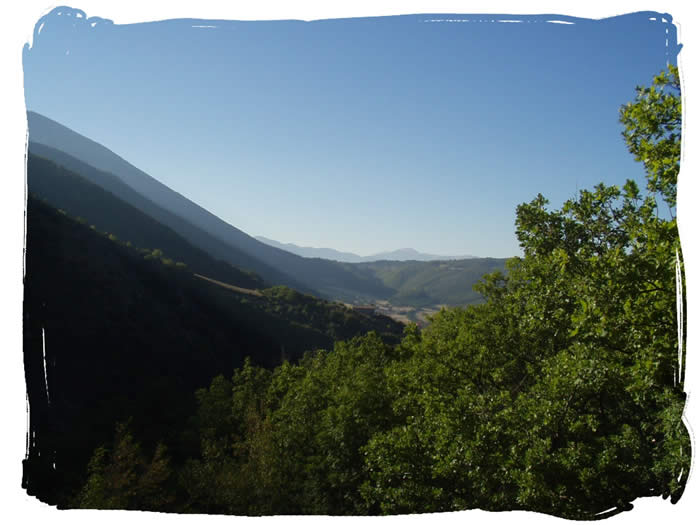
[[114, 331], [402, 254], [199, 226], [150, 215], [135, 296]]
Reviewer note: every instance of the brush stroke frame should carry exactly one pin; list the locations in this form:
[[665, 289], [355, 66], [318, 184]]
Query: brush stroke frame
[[684, 203]]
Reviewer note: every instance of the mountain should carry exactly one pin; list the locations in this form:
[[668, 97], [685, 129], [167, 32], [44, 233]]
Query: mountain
[[111, 335], [99, 165], [404, 254], [409, 254], [322, 277], [430, 283], [188, 231], [78, 197], [105, 211], [319, 276], [306, 251]]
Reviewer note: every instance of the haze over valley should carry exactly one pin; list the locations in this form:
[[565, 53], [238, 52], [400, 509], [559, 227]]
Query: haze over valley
[[402, 254], [404, 278]]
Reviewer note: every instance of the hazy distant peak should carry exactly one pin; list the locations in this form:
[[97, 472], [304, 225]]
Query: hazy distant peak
[[411, 254], [307, 251], [402, 254]]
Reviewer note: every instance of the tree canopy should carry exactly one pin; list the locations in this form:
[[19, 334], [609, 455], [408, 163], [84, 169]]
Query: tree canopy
[[562, 393]]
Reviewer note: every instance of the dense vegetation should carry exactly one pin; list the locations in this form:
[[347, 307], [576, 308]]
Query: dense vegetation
[[561, 393], [337, 321], [115, 332]]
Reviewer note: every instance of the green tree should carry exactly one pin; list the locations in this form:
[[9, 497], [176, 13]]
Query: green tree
[[324, 410], [122, 477], [653, 132], [563, 393]]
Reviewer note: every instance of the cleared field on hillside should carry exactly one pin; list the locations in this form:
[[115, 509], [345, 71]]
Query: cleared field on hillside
[[230, 286]]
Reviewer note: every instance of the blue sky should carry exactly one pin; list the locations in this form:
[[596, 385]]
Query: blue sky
[[363, 135]]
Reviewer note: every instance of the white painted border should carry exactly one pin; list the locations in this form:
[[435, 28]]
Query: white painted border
[[19, 20]]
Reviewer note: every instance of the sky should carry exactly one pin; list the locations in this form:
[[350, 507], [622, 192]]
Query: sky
[[363, 135]]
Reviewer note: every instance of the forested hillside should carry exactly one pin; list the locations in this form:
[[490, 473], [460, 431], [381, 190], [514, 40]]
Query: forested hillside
[[185, 217], [114, 333], [112, 205], [561, 393], [418, 283]]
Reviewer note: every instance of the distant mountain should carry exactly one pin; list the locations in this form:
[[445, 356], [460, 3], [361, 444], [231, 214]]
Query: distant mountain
[[403, 254], [91, 160], [193, 234], [409, 254], [306, 251], [429, 283]]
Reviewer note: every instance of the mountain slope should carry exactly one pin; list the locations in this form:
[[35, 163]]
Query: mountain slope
[[307, 251], [313, 274], [78, 197], [48, 132], [419, 283], [114, 185], [111, 335], [410, 254]]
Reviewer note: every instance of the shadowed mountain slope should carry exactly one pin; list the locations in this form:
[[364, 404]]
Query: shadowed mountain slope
[[314, 274], [111, 335], [100, 208], [107, 181]]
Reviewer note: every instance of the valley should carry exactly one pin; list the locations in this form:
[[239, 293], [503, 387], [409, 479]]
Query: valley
[[174, 363], [87, 180], [408, 314]]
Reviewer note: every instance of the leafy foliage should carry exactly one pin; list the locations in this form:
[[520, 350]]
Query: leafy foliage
[[561, 393], [125, 335], [291, 439], [123, 479], [557, 394], [653, 132]]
